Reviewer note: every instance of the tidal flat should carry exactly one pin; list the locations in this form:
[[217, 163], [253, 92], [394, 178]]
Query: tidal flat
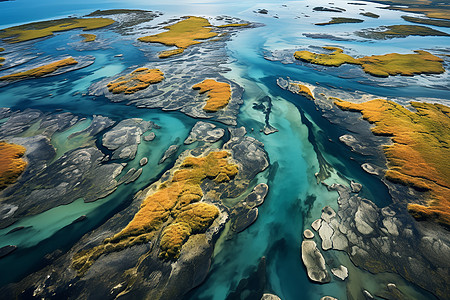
[[231, 150]]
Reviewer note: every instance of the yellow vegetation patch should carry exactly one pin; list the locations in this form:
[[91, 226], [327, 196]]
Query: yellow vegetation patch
[[175, 200], [11, 163], [37, 30], [234, 25], [168, 53], [303, 90], [88, 37], [437, 13], [219, 94], [420, 151], [336, 58], [182, 34], [137, 80], [42, 70], [422, 62]]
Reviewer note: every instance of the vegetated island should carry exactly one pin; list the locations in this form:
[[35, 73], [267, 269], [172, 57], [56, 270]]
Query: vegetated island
[[11, 163], [176, 200], [37, 30], [337, 20], [422, 62], [418, 155], [431, 8], [185, 33], [433, 22], [137, 80], [88, 37], [42, 70], [398, 31], [219, 94], [370, 15]]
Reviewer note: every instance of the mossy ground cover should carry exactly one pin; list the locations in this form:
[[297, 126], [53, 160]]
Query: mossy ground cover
[[431, 8], [182, 34], [370, 15], [303, 90], [137, 80], [175, 202], [88, 37], [42, 70], [11, 163], [37, 30], [433, 22], [340, 21], [219, 94], [399, 31], [421, 62], [419, 154], [233, 25]]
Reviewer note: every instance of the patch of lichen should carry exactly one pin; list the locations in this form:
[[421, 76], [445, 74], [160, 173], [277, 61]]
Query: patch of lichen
[[42, 70], [37, 30], [421, 62], [137, 80], [11, 163], [169, 53], [338, 20], [396, 31], [303, 90], [182, 34], [219, 94], [192, 219], [88, 37], [419, 154], [175, 201], [335, 59], [233, 25]]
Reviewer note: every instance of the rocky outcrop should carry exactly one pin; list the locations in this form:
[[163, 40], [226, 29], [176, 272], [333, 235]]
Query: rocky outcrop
[[314, 262], [340, 272], [169, 153], [204, 132], [124, 138]]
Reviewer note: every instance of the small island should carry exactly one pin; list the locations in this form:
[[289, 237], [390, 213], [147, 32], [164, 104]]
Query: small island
[[422, 62], [88, 37], [42, 70], [433, 22], [398, 31], [219, 94], [340, 21], [137, 80]]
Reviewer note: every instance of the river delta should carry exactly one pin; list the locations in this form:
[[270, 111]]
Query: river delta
[[224, 150]]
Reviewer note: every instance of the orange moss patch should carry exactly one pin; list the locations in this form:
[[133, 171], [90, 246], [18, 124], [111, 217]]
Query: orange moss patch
[[88, 37], [37, 30], [168, 53], [11, 163], [303, 90], [137, 80], [173, 200], [420, 151], [219, 94], [42, 70], [182, 34], [422, 62]]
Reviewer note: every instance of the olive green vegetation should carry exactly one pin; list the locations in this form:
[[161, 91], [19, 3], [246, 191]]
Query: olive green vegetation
[[433, 22], [109, 12], [174, 203], [421, 62], [182, 34], [398, 31], [370, 15], [41, 71], [88, 37], [37, 30], [418, 156], [335, 59], [431, 8], [340, 21], [233, 25]]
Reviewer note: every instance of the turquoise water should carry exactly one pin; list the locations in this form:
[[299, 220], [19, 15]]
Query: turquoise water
[[277, 232]]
